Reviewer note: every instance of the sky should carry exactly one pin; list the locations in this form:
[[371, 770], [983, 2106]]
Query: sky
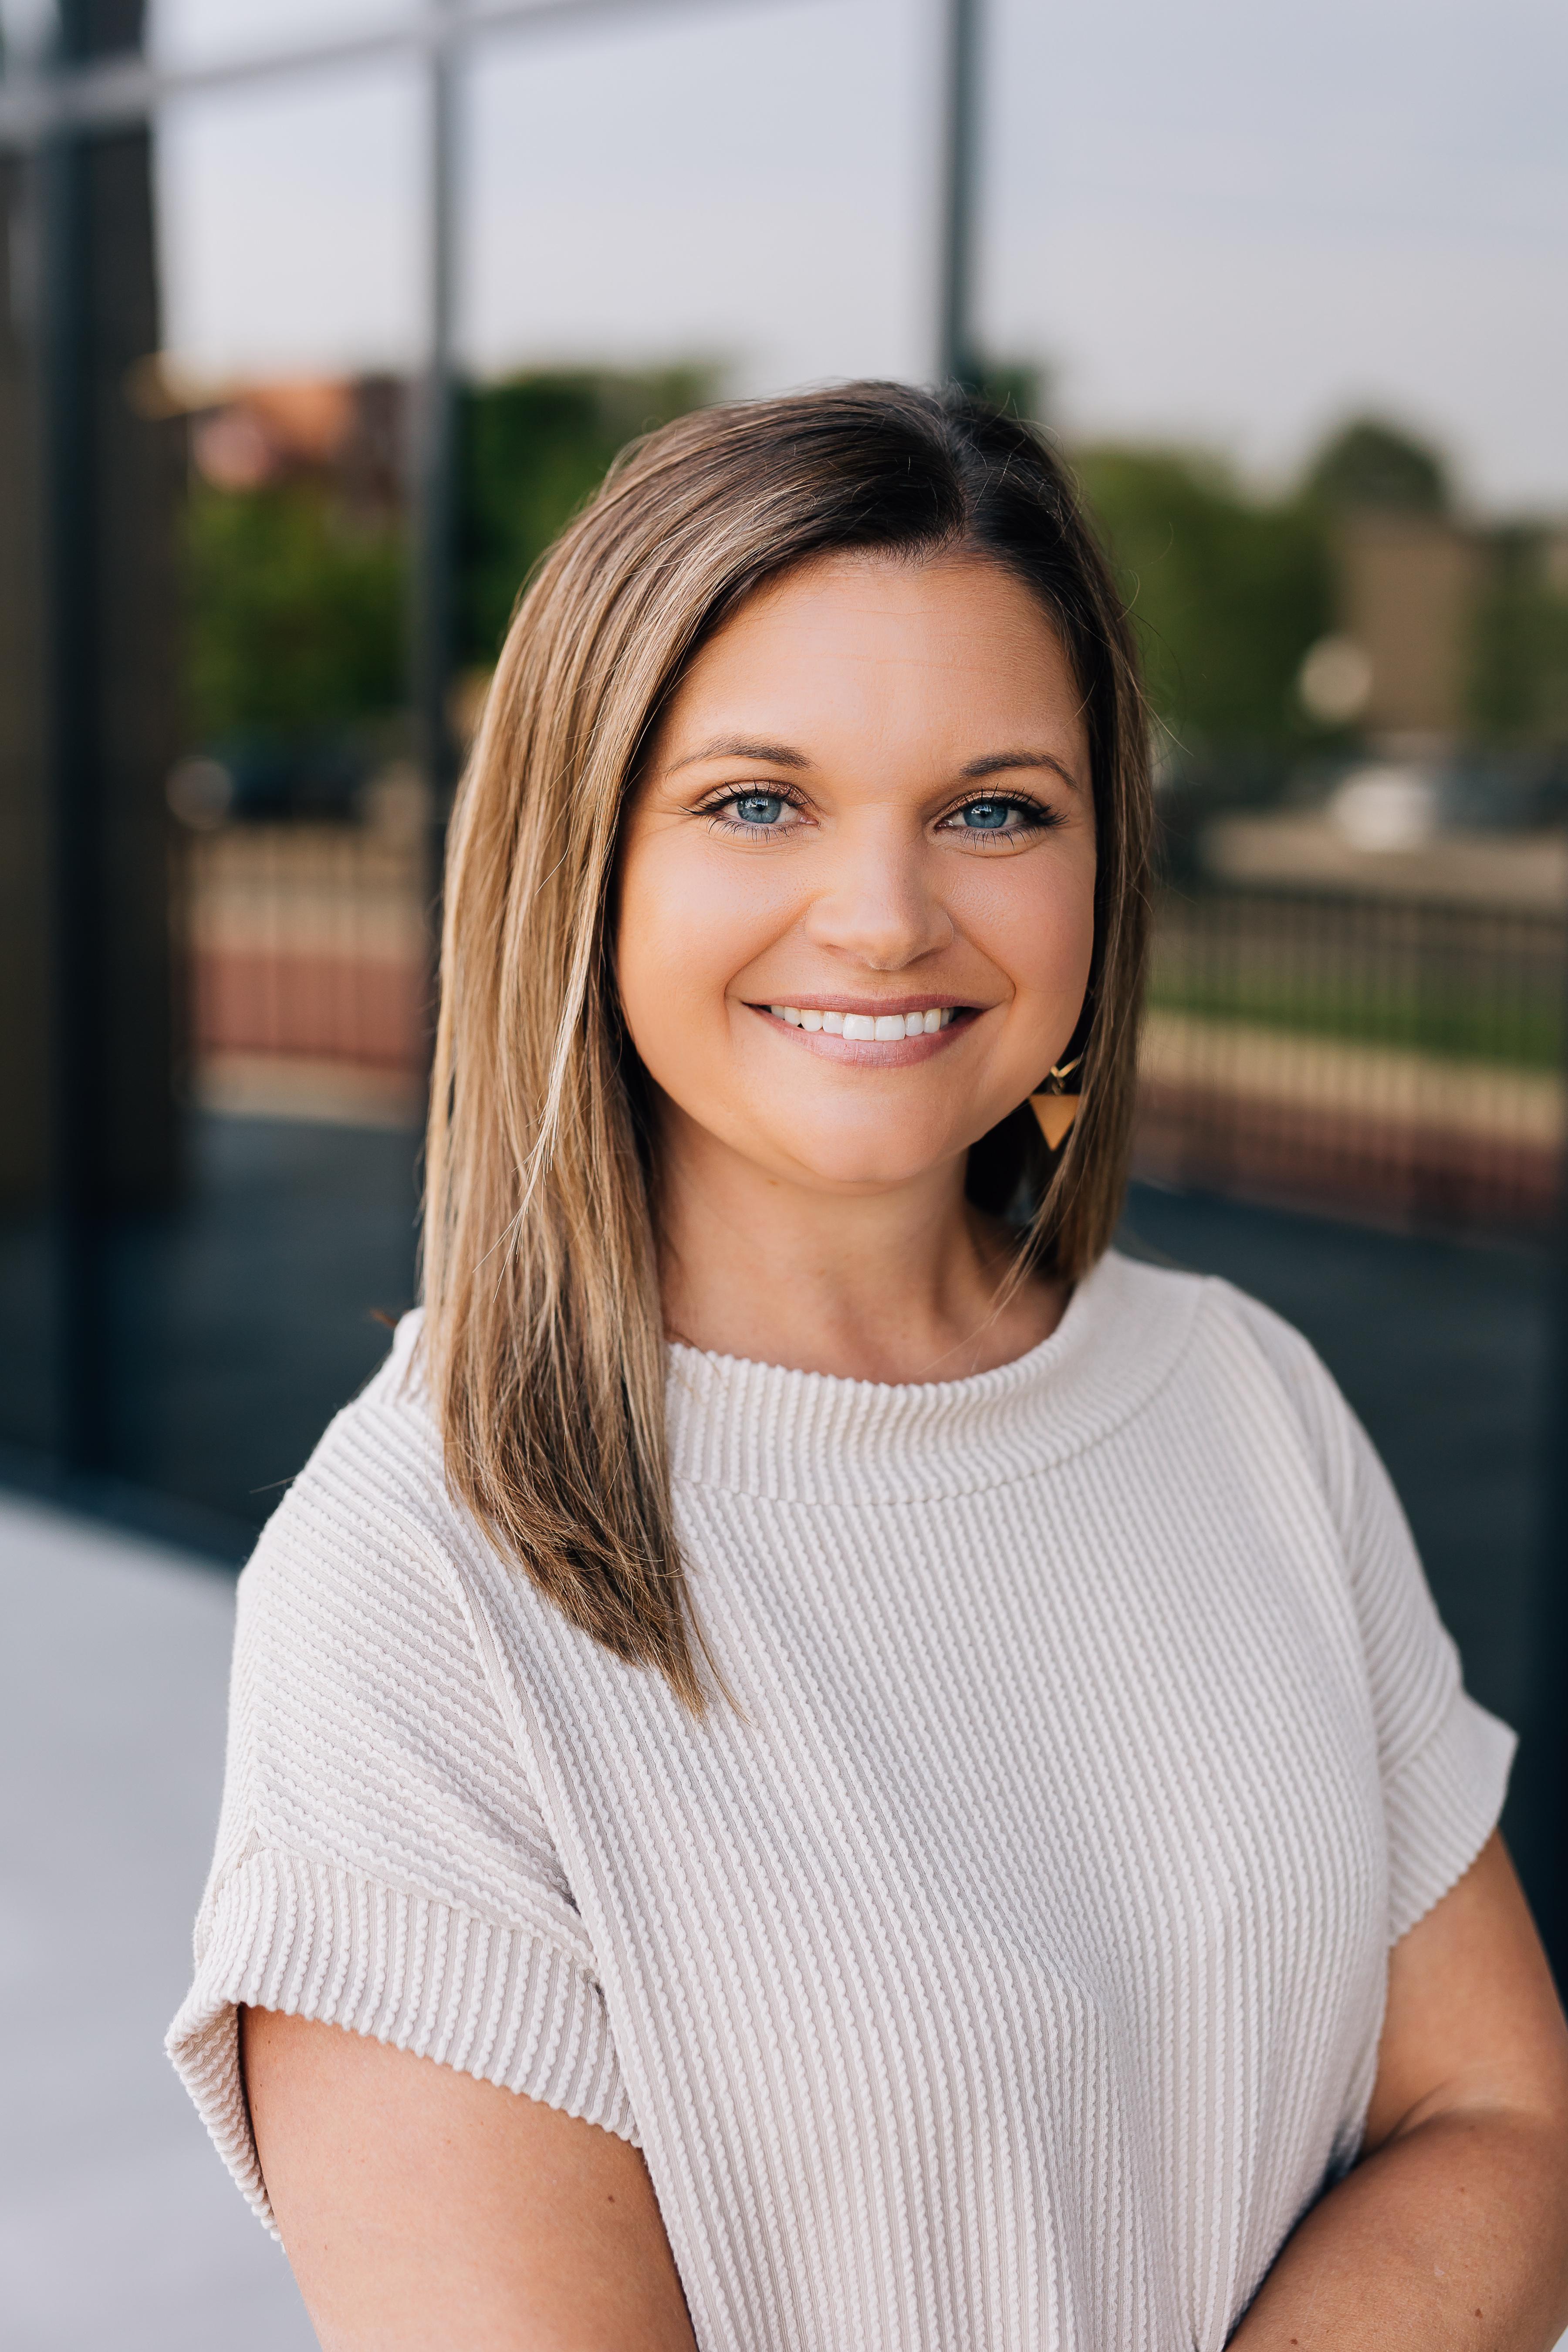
[[1211, 223]]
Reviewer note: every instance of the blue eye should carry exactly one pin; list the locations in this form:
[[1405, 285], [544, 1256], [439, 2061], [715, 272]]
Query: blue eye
[[987, 817], [759, 808]]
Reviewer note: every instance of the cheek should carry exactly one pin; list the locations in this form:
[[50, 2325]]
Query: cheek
[[1040, 935], [686, 924]]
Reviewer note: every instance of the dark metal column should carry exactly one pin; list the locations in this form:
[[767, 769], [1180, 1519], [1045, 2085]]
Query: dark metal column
[[110, 601], [28, 1383], [78, 1067], [433, 455], [434, 461], [1541, 1771]]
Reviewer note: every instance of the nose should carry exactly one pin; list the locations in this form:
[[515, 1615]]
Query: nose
[[878, 906]]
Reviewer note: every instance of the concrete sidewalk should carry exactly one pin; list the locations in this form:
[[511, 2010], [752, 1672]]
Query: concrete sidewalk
[[119, 2226]]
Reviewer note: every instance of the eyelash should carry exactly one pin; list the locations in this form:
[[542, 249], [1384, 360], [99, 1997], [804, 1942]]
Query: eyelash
[[734, 793], [1037, 818]]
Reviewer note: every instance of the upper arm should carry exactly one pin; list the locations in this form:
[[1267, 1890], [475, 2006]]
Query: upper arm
[[385, 1864], [1443, 1761], [1473, 2019], [420, 2206]]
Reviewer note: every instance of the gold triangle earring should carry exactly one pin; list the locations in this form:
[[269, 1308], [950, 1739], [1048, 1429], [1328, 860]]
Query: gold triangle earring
[[1054, 1108]]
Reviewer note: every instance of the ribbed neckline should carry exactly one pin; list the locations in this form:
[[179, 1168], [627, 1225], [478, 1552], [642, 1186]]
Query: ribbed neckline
[[811, 1437]]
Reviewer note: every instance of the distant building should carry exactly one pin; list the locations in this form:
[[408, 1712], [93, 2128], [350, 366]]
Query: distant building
[[347, 432], [1407, 589]]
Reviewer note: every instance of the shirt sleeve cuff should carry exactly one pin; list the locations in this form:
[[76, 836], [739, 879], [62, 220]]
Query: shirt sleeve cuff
[[1441, 1805], [312, 1939]]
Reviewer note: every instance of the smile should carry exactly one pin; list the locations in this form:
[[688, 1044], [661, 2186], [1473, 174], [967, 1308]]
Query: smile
[[881, 1027], [856, 1036]]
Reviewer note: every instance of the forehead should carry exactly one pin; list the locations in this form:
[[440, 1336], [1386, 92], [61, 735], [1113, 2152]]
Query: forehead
[[852, 642]]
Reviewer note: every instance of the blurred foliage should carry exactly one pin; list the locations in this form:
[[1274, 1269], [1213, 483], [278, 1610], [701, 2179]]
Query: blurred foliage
[[1370, 463], [1019, 386], [297, 602], [1441, 1011], [1519, 685], [533, 450], [295, 614], [1227, 590]]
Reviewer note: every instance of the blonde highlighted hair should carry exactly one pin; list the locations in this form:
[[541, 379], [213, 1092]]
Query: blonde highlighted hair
[[543, 1339]]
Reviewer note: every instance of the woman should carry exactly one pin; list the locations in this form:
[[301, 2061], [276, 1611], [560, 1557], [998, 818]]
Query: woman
[[858, 1774]]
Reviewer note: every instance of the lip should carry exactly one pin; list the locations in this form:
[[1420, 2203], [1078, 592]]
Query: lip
[[870, 1053]]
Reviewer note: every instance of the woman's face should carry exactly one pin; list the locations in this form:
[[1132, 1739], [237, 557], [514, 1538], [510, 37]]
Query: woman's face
[[856, 882]]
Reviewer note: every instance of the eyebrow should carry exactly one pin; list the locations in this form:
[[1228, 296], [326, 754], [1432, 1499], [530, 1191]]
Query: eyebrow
[[742, 747], [785, 755], [996, 763]]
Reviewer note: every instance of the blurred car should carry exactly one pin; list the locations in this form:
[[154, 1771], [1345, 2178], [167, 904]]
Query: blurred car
[[255, 781]]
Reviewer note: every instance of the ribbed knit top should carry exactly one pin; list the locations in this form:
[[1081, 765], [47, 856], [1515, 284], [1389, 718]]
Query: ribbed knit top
[[1005, 1969]]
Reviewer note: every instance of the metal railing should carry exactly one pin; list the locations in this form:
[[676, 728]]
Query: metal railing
[[1376, 1055], [307, 958], [1379, 1056]]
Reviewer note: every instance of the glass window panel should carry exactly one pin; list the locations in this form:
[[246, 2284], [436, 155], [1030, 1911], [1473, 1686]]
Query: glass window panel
[[291, 244], [290, 226], [232, 937], [26, 30], [1220, 236], [712, 189], [1233, 226], [208, 32]]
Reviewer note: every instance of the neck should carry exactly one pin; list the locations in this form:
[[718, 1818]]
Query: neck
[[904, 1285]]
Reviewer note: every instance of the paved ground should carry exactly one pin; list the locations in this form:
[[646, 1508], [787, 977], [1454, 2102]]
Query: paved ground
[[120, 2231]]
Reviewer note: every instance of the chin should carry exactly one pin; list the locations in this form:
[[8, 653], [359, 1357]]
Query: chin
[[869, 1164]]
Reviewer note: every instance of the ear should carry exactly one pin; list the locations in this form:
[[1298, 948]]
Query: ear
[[1056, 1114]]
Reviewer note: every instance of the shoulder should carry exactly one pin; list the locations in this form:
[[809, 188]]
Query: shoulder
[[1261, 1351], [365, 1724], [380, 1456], [1200, 1310], [1202, 1316], [356, 1576], [1250, 1368], [1177, 1318], [376, 1473]]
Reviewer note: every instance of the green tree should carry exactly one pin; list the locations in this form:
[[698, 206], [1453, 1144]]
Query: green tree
[[1227, 591], [296, 615], [534, 449], [1370, 463], [1518, 683]]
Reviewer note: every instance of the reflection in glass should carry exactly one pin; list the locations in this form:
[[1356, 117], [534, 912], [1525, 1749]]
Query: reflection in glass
[[290, 229], [290, 241], [215, 868], [712, 189], [28, 1361], [26, 32], [208, 32], [88, 618]]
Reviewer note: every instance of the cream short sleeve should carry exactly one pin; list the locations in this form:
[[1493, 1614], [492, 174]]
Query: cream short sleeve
[[1443, 1760], [382, 1863]]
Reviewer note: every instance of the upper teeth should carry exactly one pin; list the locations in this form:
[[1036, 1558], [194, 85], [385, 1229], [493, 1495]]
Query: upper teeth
[[881, 1025]]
